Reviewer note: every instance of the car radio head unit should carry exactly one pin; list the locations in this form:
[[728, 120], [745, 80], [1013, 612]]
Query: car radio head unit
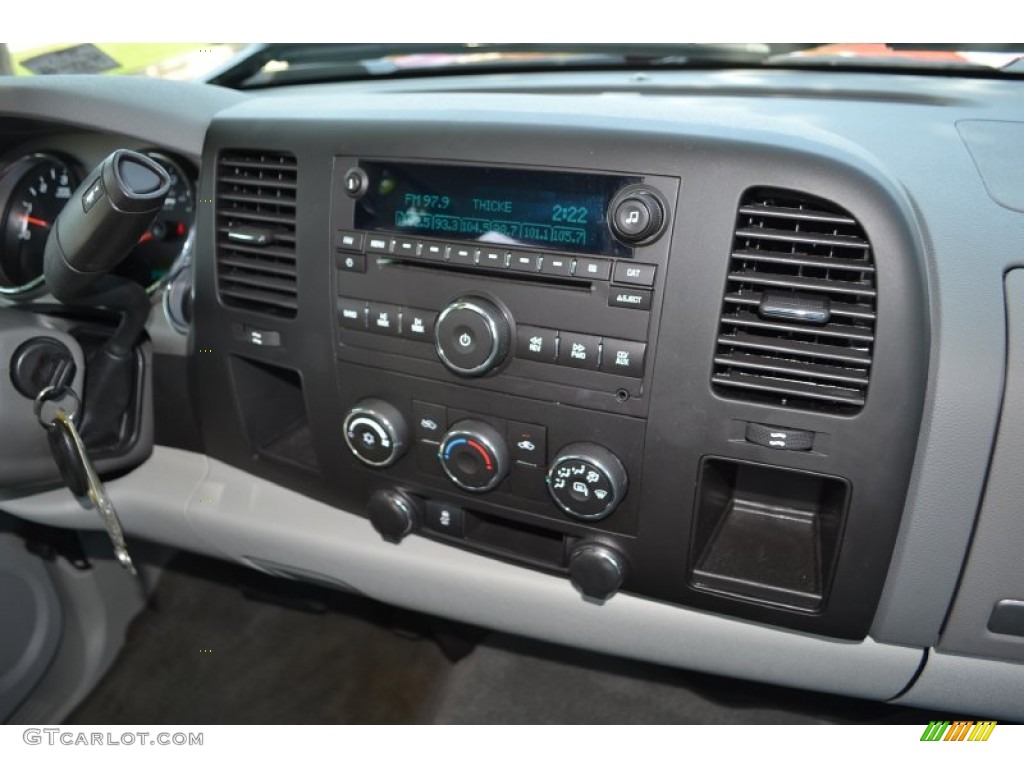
[[506, 206]]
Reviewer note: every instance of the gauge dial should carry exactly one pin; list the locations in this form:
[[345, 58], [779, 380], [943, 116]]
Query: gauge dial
[[162, 244], [33, 191]]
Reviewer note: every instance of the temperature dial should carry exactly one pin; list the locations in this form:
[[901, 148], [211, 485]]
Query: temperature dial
[[376, 433], [474, 456], [587, 481]]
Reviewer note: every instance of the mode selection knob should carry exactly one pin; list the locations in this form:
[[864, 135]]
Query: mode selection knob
[[637, 215], [474, 455], [596, 570], [472, 336], [376, 433], [587, 481]]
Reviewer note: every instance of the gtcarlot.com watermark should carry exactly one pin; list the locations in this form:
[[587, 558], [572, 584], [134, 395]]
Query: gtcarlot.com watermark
[[72, 738]]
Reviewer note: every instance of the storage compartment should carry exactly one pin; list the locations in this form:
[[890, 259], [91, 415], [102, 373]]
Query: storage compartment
[[273, 410], [767, 534]]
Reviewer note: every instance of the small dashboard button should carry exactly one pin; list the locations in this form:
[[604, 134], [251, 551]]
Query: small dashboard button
[[385, 319], [524, 262], [556, 265], [352, 314], [538, 344], [631, 273], [346, 240], [418, 324], [593, 269], [625, 358], [378, 244], [351, 262], [629, 298], [430, 421], [579, 351]]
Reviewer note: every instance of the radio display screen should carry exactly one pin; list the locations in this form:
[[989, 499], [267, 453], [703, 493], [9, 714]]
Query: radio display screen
[[510, 206]]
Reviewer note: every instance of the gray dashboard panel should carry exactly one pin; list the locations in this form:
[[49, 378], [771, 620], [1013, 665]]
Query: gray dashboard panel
[[206, 505], [993, 571], [905, 126], [965, 684]]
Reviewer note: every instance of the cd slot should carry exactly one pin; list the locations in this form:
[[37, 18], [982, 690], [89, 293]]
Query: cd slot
[[581, 283]]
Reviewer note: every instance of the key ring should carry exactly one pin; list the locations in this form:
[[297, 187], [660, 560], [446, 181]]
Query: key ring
[[53, 394]]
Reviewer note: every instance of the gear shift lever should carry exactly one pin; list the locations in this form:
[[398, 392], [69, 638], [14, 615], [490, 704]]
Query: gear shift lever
[[98, 227]]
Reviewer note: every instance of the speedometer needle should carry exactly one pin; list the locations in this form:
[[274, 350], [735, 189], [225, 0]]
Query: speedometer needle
[[34, 220]]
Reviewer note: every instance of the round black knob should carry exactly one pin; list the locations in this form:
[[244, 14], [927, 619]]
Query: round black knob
[[596, 570], [375, 432], [587, 481], [472, 336], [393, 514], [356, 182], [637, 215], [474, 456]]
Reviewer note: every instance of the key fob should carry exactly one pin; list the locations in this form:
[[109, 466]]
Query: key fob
[[72, 471]]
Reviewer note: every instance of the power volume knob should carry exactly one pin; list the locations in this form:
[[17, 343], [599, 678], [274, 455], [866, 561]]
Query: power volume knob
[[587, 481], [375, 431], [637, 215], [472, 336]]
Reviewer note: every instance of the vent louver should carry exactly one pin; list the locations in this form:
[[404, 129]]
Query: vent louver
[[798, 318], [256, 255]]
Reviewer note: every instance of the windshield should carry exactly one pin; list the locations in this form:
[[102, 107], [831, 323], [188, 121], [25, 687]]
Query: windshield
[[270, 64]]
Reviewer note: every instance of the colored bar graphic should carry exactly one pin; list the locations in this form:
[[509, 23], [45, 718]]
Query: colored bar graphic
[[935, 730]]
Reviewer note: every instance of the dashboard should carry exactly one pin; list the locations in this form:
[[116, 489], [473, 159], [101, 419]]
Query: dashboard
[[719, 370]]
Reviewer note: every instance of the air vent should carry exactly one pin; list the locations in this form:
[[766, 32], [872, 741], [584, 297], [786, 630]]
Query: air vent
[[256, 265], [798, 319]]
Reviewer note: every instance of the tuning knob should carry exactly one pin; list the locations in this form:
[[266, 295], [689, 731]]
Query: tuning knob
[[587, 481], [472, 336], [596, 570], [393, 514], [637, 215], [474, 455], [375, 432]]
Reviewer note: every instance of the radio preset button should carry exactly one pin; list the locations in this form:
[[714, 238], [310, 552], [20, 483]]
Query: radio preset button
[[593, 269], [579, 351], [432, 251], [346, 240], [352, 314], [524, 262], [629, 298], [556, 265], [385, 319], [406, 247], [492, 258], [538, 344], [462, 256], [625, 358], [631, 273]]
